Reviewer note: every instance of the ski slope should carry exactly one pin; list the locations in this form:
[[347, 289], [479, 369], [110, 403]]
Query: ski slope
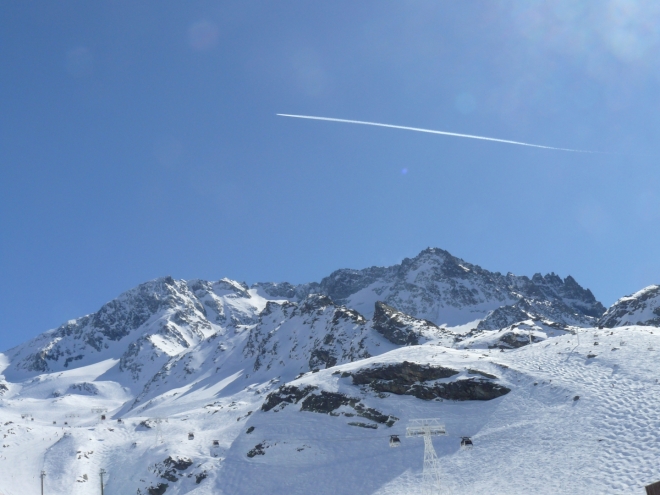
[[536, 439]]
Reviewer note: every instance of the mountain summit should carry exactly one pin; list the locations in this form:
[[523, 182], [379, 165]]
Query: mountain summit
[[146, 326], [444, 289]]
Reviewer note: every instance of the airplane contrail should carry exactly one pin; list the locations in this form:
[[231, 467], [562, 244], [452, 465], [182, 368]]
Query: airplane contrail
[[431, 131]]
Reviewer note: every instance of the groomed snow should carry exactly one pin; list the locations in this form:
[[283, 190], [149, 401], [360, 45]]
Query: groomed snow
[[537, 439]]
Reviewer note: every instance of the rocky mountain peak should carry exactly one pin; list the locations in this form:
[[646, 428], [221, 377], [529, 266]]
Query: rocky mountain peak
[[640, 308], [165, 317], [444, 289], [315, 302], [239, 288], [144, 326]]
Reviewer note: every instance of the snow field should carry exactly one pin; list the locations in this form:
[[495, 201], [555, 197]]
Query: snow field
[[536, 439]]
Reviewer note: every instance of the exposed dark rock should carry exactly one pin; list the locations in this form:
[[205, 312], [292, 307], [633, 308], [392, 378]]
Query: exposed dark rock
[[321, 357], [84, 388], [158, 489], [504, 316], [170, 468], [408, 379], [374, 415], [470, 389], [249, 430], [287, 290], [512, 340], [323, 402], [336, 334], [329, 402], [287, 394], [400, 374], [145, 424], [283, 289], [69, 360], [314, 303], [343, 313], [3, 388], [170, 476], [199, 477], [559, 313], [257, 450], [178, 463], [364, 425], [395, 326]]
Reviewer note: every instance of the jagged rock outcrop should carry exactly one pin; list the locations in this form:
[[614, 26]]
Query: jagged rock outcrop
[[143, 327], [513, 340], [398, 328], [439, 287], [285, 290], [557, 313], [286, 394], [83, 388], [312, 399], [314, 334], [399, 376], [422, 381], [640, 308], [519, 334]]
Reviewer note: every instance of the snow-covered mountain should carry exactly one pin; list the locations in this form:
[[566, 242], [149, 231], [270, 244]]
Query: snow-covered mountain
[[221, 388], [446, 290], [640, 308], [142, 329]]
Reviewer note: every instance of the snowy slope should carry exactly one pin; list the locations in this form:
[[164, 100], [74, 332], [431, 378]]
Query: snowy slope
[[288, 339], [538, 438]]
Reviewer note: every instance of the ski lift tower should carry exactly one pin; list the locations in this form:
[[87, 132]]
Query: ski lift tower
[[159, 433], [428, 428]]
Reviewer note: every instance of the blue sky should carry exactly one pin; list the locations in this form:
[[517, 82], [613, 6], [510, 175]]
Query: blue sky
[[139, 139]]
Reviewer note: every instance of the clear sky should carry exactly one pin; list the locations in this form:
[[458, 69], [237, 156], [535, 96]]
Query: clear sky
[[139, 139]]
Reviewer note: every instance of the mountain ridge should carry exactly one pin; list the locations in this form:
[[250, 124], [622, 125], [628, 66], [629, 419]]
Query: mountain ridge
[[174, 315]]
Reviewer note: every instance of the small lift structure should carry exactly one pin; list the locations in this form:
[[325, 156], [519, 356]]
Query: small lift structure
[[101, 411]]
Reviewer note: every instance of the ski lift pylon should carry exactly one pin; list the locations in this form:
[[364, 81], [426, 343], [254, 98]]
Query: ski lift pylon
[[394, 441]]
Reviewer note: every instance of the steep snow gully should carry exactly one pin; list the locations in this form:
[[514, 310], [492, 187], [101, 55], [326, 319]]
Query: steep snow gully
[[197, 387]]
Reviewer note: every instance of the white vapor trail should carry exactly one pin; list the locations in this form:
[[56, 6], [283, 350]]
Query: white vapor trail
[[431, 131]]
